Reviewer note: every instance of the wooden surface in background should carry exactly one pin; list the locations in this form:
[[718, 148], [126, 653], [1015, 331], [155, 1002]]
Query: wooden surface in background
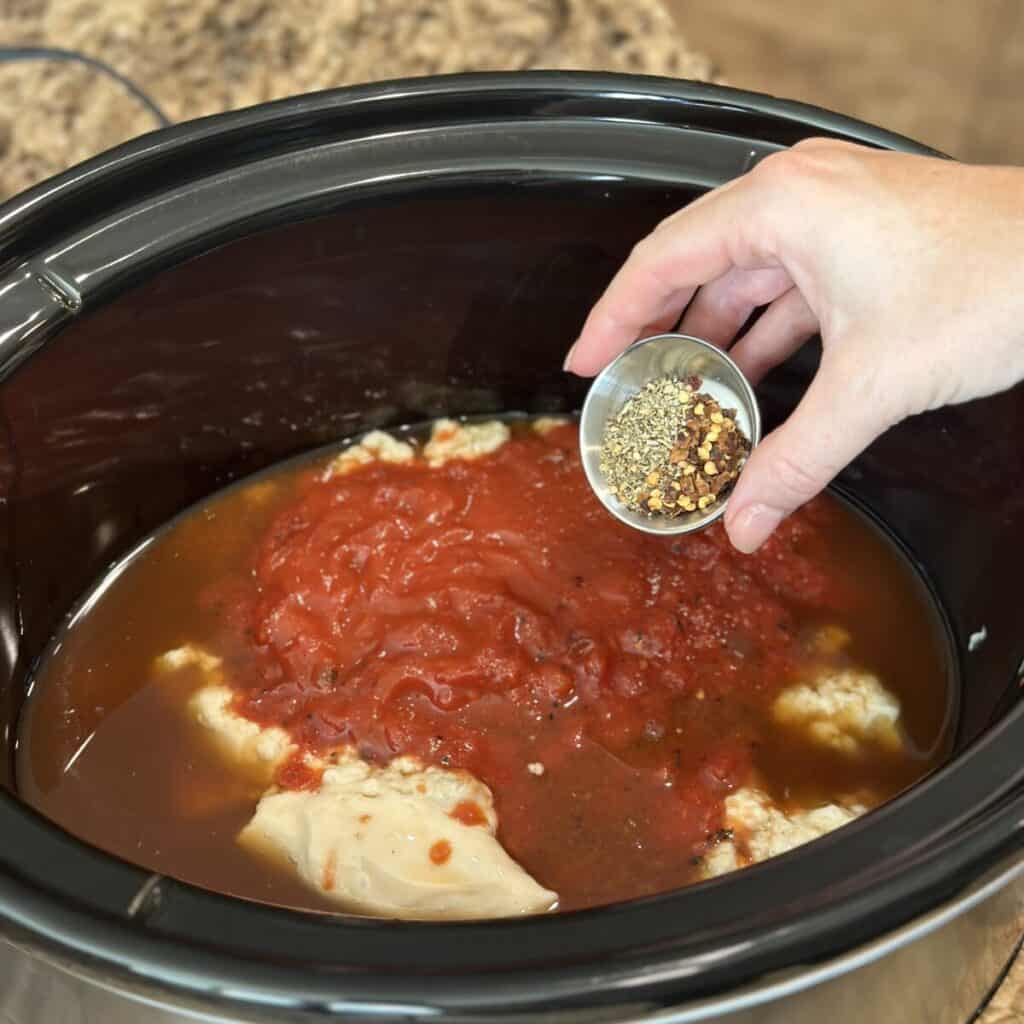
[[948, 74]]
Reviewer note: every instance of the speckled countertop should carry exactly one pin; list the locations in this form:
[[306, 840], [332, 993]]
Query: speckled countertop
[[198, 57]]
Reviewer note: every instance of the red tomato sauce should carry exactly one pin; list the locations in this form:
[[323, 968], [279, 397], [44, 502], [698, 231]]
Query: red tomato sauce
[[610, 687], [489, 615]]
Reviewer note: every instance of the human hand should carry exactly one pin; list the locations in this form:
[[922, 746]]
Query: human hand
[[911, 269]]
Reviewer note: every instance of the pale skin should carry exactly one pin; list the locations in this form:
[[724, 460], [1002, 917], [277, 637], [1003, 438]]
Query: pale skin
[[910, 268]]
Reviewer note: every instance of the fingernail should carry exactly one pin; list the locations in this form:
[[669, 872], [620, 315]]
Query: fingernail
[[752, 526], [568, 356]]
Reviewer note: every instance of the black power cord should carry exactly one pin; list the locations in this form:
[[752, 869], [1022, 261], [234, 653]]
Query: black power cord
[[13, 53]]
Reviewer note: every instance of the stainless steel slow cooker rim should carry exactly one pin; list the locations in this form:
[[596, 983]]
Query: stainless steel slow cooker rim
[[217, 968]]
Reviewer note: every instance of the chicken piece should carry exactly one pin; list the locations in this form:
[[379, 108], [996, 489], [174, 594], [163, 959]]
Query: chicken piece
[[257, 749], [252, 747], [450, 440], [761, 829], [847, 710], [191, 656], [385, 841], [401, 841], [544, 424], [377, 446]]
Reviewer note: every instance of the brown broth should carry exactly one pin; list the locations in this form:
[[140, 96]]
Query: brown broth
[[106, 750]]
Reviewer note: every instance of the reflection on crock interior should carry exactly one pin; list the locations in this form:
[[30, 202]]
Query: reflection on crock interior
[[427, 675]]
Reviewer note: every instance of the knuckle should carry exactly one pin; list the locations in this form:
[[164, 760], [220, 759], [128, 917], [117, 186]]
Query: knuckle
[[653, 263], [808, 161], [816, 144], [776, 167], [722, 297], [760, 287], [731, 305], [667, 222], [642, 252], [795, 477], [866, 382]]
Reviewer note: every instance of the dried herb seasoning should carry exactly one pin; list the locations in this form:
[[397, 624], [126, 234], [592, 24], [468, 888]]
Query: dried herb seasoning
[[672, 449]]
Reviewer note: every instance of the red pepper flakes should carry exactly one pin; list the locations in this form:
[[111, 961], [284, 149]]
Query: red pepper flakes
[[672, 449]]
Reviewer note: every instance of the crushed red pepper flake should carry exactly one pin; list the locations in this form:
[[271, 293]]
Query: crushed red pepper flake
[[672, 449]]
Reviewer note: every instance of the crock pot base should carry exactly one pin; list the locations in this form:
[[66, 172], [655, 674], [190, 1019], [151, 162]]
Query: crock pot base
[[942, 977]]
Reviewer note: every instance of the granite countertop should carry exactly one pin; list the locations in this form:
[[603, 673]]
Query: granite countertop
[[1007, 1004], [196, 57]]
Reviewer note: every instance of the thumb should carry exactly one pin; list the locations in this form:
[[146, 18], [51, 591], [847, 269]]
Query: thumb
[[841, 413]]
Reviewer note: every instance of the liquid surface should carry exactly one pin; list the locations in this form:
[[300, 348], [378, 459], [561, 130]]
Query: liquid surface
[[484, 615]]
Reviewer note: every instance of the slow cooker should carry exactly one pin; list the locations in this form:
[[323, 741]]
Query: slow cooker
[[210, 298]]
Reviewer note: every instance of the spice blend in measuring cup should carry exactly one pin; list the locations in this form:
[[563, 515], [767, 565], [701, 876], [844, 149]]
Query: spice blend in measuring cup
[[672, 449]]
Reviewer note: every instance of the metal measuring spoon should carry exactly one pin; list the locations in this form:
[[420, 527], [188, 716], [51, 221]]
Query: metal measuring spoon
[[675, 355]]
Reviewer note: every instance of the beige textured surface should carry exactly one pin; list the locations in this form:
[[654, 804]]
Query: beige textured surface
[[948, 74], [199, 57], [1007, 1006]]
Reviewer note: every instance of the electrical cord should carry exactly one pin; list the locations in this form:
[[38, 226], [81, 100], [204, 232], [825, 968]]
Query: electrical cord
[[13, 53]]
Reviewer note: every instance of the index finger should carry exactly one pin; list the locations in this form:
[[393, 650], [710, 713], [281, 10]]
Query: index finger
[[695, 245]]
